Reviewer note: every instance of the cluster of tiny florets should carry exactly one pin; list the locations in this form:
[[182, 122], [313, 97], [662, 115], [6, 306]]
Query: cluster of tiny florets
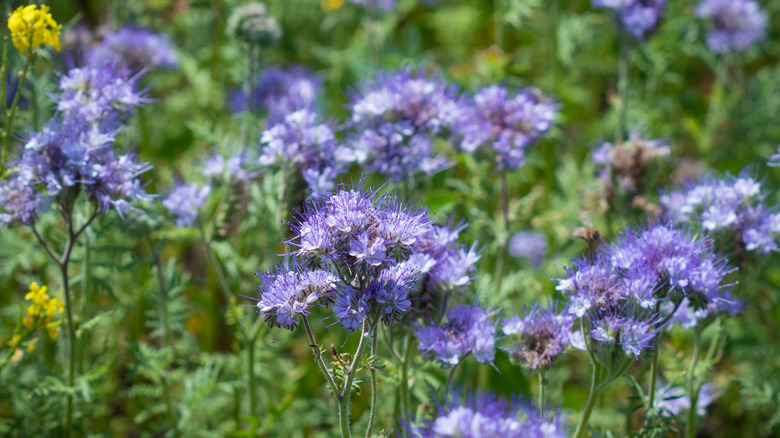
[[538, 336], [137, 48], [468, 329], [637, 17], [735, 24]]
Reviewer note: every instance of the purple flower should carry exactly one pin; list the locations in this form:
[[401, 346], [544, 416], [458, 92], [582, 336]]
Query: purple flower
[[626, 162], [396, 119], [637, 17], [184, 202], [732, 205], [310, 146], [351, 308], [231, 168], [736, 24], [509, 124], [529, 245], [19, 199], [281, 92], [487, 416], [136, 48], [468, 329], [384, 5], [673, 400], [538, 336], [290, 290], [104, 95]]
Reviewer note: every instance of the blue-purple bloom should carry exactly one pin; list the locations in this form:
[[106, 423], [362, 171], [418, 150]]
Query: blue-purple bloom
[[529, 245], [732, 205], [184, 202], [301, 140], [281, 92], [137, 48], [484, 415], [736, 24], [538, 336], [673, 400], [396, 119], [637, 17], [234, 168], [509, 124], [468, 329]]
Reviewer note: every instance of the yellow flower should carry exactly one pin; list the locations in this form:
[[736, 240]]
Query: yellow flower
[[15, 341], [31, 344], [43, 306], [331, 5], [31, 26]]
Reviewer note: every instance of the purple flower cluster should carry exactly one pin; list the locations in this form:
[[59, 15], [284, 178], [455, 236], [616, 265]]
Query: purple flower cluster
[[302, 141], [623, 290], [509, 124], [732, 205], [486, 416], [137, 48], [232, 168], [184, 202], [446, 262], [637, 17], [626, 163], [75, 150], [468, 329], [538, 336], [104, 95], [529, 245], [397, 118], [281, 92], [367, 241], [736, 24], [673, 400]]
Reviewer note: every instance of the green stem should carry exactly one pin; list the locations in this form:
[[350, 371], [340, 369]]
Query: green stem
[[693, 389], [595, 391], [542, 384], [346, 393], [499, 272], [71, 340], [653, 379], [249, 91], [406, 401], [344, 418], [714, 107], [498, 25], [251, 374], [12, 110], [318, 358], [623, 84], [372, 370]]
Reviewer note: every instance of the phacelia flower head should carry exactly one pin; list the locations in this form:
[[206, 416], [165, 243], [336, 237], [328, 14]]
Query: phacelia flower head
[[467, 329], [637, 17], [32, 26], [538, 336], [674, 400], [529, 245], [484, 415], [736, 24], [301, 140], [396, 119], [184, 202], [133, 47], [234, 168], [288, 291], [734, 206], [508, 123], [104, 95], [281, 92], [252, 24], [626, 163]]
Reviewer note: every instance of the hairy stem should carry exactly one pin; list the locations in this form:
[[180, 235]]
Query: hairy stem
[[593, 394], [12, 109], [372, 370], [318, 358], [693, 387], [406, 401], [653, 379], [499, 272]]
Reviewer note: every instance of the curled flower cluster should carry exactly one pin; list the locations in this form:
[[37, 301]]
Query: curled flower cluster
[[736, 24], [622, 290], [136, 48], [637, 17], [487, 416], [252, 24], [732, 205], [281, 92], [627, 162], [363, 239], [467, 330], [509, 124], [302, 141], [32, 26], [397, 118], [538, 336]]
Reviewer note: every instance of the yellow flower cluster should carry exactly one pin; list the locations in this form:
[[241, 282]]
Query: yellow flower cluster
[[331, 5], [31, 26], [42, 309]]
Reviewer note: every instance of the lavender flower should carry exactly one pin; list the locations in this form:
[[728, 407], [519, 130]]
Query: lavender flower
[[21, 202], [397, 117], [310, 146], [137, 48], [229, 168], [487, 416], [281, 92], [538, 336], [732, 205], [774, 160], [736, 24], [508, 124], [673, 400], [529, 245], [184, 202], [468, 329], [637, 17], [290, 290]]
